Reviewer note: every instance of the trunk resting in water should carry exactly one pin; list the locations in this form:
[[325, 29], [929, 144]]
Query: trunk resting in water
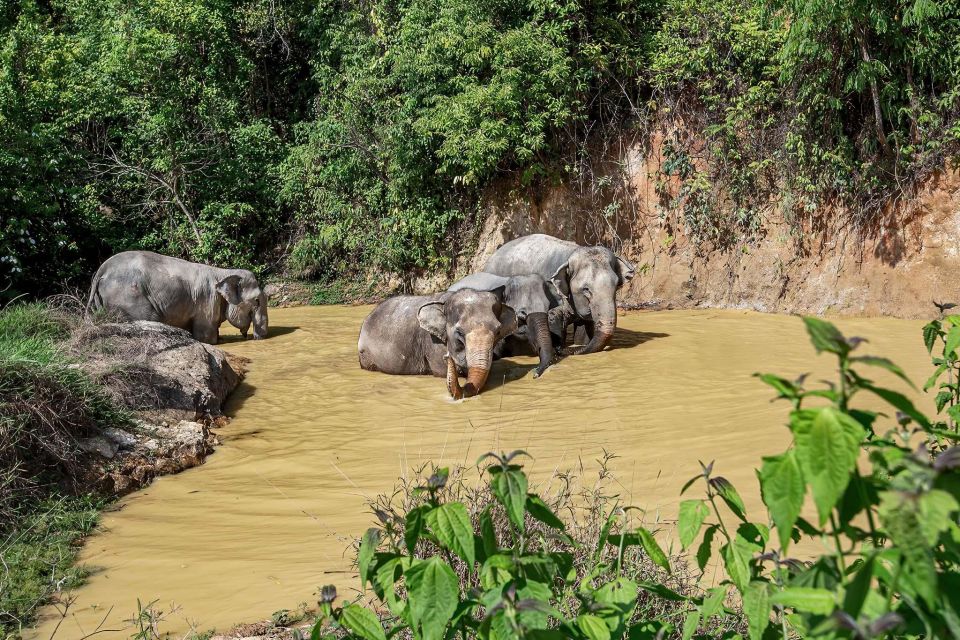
[[538, 333], [602, 334], [479, 348]]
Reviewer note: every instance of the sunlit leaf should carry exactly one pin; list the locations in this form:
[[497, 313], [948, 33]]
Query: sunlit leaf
[[362, 622], [450, 523], [693, 513], [783, 489]]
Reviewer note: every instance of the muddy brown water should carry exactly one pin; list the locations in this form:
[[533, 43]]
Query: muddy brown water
[[271, 514]]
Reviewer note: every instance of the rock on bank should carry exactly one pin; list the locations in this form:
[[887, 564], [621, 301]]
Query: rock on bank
[[174, 385]]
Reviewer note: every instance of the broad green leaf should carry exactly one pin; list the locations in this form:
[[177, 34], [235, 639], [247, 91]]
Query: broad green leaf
[[941, 400], [705, 550], [542, 512], [932, 380], [901, 402], [807, 599], [757, 608], [664, 592], [510, 487], [731, 497], [857, 589], [713, 602], [937, 511], [784, 387], [620, 596], [736, 559], [653, 550], [954, 413], [783, 488], [693, 513], [497, 570], [593, 627], [362, 622], [884, 363], [413, 526], [434, 591], [487, 533], [368, 547], [825, 336], [450, 523], [690, 624], [827, 445], [952, 342], [930, 332]]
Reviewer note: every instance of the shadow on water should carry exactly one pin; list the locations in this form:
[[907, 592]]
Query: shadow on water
[[506, 371], [272, 333], [240, 395], [628, 338]]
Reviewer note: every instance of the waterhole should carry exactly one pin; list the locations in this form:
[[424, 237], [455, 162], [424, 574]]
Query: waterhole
[[270, 516]]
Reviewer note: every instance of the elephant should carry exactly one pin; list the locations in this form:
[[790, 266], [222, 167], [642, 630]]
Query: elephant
[[142, 285], [536, 302], [588, 276], [444, 334]]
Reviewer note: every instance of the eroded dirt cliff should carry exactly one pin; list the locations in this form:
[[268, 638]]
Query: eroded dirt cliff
[[907, 256]]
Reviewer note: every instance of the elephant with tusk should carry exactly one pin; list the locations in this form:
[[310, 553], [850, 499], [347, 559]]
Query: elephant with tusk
[[142, 285], [588, 276], [445, 335], [538, 303]]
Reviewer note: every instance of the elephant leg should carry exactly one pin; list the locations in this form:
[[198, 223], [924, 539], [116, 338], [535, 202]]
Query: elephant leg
[[205, 332], [583, 332]]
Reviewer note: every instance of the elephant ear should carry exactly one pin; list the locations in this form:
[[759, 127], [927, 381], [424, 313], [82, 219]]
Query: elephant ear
[[562, 302], [229, 288], [625, 270], [508, 322], [561, 279], [433, 321]]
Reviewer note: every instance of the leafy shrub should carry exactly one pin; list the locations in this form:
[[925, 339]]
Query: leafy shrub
[[886, 519]]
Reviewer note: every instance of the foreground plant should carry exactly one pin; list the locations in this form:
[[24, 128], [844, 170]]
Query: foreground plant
[[885, 495]]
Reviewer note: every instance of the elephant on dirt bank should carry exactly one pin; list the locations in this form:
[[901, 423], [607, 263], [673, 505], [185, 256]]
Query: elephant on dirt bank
[[589, 276], [538, 303], [142, 285], [446, 334]]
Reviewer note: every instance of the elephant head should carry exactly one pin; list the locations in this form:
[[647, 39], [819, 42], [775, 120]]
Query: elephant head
[[246, 303], [532, 298], [470, 323], [591, 277]]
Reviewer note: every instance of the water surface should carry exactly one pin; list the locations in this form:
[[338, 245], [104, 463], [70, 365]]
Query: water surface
[[269, 517]]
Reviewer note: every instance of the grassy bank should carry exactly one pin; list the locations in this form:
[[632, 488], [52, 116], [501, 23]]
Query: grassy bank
[[47, 405]]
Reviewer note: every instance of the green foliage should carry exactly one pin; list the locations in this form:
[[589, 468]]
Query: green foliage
[[38, 554], [886, 530], [46, 406]]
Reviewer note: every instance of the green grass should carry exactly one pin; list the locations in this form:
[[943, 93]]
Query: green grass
[[46, 405], [39, 553], [341, 291]]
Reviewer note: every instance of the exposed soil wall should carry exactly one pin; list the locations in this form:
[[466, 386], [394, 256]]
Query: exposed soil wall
[[820, 265]]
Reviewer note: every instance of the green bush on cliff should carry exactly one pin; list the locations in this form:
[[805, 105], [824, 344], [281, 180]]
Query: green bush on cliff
[[886, 492]]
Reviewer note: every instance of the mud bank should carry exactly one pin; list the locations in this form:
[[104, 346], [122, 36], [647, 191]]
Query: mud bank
[[174, 385], [820, 264]]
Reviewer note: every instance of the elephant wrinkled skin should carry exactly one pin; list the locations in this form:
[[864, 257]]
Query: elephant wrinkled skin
[[588, 276], [446, 334], [142, 285], [536, 301]]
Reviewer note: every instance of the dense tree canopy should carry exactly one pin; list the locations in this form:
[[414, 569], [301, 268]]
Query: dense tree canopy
[[328, 136]]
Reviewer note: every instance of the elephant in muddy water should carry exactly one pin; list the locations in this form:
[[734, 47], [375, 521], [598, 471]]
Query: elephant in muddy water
[[539, 305], [142, 285], [447, 334], [588, 276]]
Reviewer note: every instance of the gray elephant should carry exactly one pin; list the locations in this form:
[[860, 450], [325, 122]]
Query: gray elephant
[[538, 303], [445, 334], [142, 285], [589, 276]]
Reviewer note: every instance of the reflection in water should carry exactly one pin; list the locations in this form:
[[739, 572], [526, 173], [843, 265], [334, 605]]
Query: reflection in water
[[271, 515]]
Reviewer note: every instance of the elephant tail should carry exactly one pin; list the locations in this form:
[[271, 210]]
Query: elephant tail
[[94, 301]]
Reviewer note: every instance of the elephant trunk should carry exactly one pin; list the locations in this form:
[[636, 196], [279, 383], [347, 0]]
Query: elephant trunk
[[479, 346], [604, 325], [538, 333]]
